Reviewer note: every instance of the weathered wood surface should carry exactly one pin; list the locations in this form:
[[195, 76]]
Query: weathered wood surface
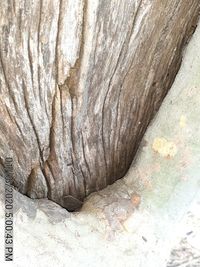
[[79, 83]]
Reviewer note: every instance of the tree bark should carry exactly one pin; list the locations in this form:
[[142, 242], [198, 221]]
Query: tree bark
[[80, 81]]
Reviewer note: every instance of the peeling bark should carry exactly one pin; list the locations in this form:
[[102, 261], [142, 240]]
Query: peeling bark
[[80, 82]]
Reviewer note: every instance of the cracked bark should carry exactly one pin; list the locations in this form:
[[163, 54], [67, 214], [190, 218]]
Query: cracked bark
[[79, 83]]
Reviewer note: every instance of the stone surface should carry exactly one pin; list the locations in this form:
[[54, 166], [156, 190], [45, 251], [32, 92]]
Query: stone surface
[[138, 220], [79, 83]]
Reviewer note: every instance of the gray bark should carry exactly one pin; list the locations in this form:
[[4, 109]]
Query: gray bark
[[79, 83]]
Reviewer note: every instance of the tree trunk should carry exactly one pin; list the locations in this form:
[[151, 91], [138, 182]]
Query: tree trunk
[[80, 81]]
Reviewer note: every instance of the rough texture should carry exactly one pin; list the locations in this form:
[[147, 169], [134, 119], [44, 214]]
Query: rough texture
[[112, 229], [79, 83]]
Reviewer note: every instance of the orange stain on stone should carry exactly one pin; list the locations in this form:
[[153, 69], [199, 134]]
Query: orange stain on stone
[[136, 200]]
